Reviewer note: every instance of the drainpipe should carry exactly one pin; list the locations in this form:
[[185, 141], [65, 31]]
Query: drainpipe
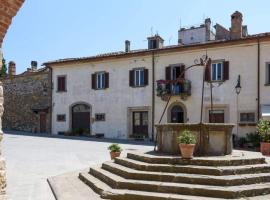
[[51, 90], [153, 94], [258, 79]]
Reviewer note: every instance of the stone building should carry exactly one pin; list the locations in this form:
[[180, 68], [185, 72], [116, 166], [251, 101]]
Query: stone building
[[27, 99], [123, 94], [8, 9]]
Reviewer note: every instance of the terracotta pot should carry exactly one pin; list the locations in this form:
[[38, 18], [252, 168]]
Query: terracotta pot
[[265, 148], [114, 155], [187, 150]]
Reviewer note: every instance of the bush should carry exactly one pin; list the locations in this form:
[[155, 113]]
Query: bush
[[241, 141], [254, 139], [115, 148], [263, 127], [186, 138]]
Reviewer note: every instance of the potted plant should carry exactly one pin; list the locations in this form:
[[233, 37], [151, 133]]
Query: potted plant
[[263, 127], [187, 142], [115, 150]]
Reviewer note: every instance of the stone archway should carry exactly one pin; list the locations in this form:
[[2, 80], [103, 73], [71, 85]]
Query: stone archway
[[8, 9], [80, 117], [177, 113]]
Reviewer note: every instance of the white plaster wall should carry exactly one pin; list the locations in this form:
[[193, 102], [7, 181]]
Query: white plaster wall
[[116, 100], [242, 60], [198, 35], [113, 101]]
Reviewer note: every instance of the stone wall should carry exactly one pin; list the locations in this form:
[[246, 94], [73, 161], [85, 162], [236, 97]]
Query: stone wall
[[26, 97]]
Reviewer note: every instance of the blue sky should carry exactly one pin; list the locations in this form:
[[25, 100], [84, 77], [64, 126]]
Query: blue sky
[[53, 29]]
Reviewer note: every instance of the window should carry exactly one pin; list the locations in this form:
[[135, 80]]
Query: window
[[100, 117], [247, 117], [61, 118], [267, 81], [138, 77], [100, 80], [172, 73], [61, 84], [216, 116], [217, 71]]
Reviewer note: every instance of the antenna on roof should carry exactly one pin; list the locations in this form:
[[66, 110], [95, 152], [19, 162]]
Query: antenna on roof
[[170, 39], [180, 22], [152, 30]]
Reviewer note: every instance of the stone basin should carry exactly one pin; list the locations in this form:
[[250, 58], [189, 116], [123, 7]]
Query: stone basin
[[213, 139]]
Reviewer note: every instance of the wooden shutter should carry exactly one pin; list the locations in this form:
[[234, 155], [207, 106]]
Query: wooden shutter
[[107, 80], [182, 70], [61, 83], [226, 70], [94, 82], [145, 77], [207, 75], [131, 78], [168, 71]]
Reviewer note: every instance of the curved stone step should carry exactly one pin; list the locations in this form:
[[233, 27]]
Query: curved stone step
[[229, 180], [228, 192], [193, 169], [230, 160], [116, 194]]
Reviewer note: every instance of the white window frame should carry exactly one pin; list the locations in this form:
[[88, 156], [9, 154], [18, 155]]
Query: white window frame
[[246, 112], [139, 73], [100, 80], [267, 73], [215, 64]]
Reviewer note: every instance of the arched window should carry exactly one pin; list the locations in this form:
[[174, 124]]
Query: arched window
[[177, 114]]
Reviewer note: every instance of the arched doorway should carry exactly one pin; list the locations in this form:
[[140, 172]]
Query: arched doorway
[[177, 113], [81, 118]]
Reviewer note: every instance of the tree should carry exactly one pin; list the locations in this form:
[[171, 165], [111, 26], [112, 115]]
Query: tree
[[3, 71]]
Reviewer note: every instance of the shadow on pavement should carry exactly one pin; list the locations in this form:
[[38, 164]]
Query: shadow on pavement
[[81, 138]]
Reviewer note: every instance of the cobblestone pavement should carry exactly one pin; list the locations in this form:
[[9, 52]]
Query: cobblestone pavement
[[31, 159]]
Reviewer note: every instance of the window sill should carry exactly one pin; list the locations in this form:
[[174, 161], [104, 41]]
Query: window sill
[[138, 86], [61, 91], [267, 84], [247, 123]]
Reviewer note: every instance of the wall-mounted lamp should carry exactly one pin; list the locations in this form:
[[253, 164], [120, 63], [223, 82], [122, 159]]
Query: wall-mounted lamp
[[238, 85]]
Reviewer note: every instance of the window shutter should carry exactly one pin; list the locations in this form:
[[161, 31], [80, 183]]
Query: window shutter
[[131, 78], [58, 84], [94, 82], [168, 78], [145, 77], [182, 70], [61, 84], [107, 80], [207, 75], [226, 70]]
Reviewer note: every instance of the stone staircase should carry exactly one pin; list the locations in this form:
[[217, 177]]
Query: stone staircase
[[149, 176]]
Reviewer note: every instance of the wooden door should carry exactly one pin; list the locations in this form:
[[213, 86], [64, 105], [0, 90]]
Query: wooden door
[[216, 116], [140, 123], [42, 119]]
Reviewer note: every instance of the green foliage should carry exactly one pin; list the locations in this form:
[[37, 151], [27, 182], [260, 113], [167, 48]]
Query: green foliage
[[242, 141], [187, 138], [263, 127], [3, 71], [254, 139], [115, 148]]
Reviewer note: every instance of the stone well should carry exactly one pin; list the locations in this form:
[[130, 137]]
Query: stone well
[[212, 139]]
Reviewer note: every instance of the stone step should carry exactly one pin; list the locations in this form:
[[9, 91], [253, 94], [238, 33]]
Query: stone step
[[229, 180], [228, 192], [117, 194], [193, 169], [238, 159]]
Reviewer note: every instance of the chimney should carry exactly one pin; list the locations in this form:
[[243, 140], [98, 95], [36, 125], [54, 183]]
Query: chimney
[[12, 68], [127, 46], [34, 65], [207, 24], [155, 42], [236, 25]]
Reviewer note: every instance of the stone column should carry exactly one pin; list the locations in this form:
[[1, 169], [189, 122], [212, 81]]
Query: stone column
[[3, 182]]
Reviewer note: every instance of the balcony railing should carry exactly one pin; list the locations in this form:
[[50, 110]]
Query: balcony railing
[[174, 88]]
